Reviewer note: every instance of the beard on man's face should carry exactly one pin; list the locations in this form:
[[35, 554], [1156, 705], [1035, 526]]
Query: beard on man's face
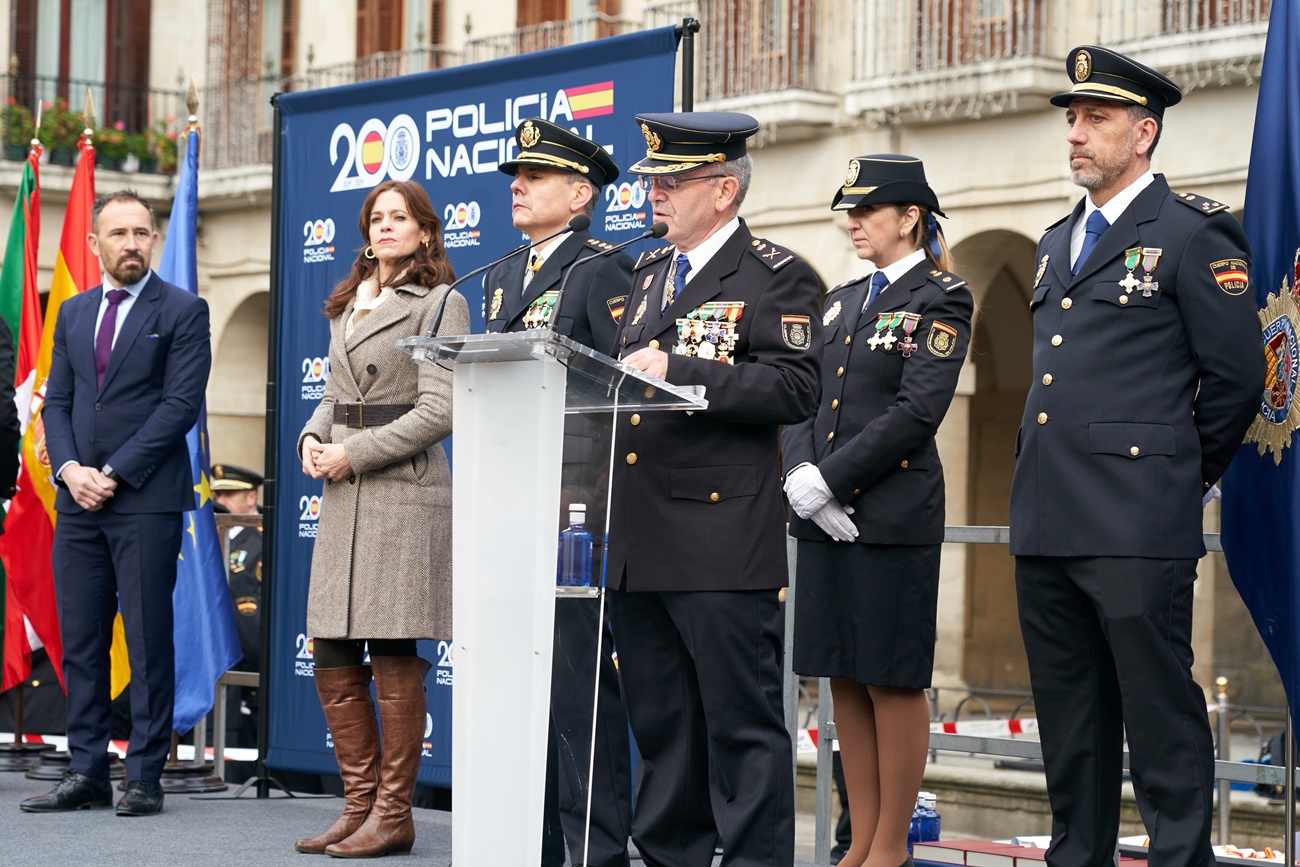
[[128, 269]]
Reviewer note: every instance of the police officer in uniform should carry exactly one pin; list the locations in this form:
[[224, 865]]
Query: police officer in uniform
[[697, 541], [867, 490], [1147, 372], [558, 175], [235, 490]]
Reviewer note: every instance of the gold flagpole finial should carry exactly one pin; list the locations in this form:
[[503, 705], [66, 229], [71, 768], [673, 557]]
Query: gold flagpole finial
[[36, 128], [89, 116], [192, 103]]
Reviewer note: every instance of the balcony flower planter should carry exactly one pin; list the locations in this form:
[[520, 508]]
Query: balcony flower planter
[[16, 153], [62, 156]]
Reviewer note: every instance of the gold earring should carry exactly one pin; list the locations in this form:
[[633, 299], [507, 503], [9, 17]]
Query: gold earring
[[369, 252], [427, 241]]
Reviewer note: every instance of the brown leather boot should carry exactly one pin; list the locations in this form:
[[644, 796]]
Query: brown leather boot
[[350, 714], [389, 829]]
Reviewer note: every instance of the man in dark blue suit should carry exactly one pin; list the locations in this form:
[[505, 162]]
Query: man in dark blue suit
[[127, 377]]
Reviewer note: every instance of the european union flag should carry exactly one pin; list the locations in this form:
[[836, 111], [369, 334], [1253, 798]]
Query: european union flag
[[1261, 487], [207, 642]]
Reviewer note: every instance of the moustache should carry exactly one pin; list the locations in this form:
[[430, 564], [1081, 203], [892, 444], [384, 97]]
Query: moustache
[[1082, 153]]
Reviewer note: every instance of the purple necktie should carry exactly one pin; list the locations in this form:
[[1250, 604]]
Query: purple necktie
[[104, 339]]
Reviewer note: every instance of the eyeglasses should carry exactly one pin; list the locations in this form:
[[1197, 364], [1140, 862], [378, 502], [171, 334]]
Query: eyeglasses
[[670, 185]]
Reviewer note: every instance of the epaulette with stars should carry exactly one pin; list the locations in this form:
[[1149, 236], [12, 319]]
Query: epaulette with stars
[[597, 244], [1200, 203], [650, 256], [948, 280], [769, 254]]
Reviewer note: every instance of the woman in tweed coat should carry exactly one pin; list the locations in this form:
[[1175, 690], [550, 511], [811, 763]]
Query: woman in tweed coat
[[381, 568]]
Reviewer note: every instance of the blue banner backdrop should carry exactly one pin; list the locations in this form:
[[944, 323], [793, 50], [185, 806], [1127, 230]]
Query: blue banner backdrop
[[448, 129]]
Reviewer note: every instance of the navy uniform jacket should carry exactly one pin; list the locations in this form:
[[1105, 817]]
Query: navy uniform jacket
[[593, 300], [873, 435], [150, 398], [1138, 403], [696, 499], [244, 577]]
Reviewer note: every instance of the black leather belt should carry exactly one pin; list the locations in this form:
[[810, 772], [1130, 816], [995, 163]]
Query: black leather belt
[[369, 414]]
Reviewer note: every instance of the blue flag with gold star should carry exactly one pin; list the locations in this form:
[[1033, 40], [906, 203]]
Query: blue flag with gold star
[[207, 642]]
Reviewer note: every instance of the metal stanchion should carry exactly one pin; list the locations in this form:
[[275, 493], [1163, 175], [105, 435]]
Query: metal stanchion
[[825, 743], [1289, 781], [1225, 754]]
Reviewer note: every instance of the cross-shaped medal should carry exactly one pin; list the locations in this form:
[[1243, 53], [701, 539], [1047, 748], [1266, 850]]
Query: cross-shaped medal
[[875, 341], [908, 346], [1149, 286], [889, 340], [1129, 283]]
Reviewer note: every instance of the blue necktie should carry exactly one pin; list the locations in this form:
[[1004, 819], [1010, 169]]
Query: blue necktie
[[1092, 233], [679, 279], [878, 283]]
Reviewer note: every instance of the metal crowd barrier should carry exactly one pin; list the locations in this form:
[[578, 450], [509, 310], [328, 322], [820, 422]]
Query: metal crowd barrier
[[1225, 771]]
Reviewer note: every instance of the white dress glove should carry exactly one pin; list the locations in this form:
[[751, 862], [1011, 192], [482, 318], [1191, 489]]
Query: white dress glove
[[834, 521], [807, 490]]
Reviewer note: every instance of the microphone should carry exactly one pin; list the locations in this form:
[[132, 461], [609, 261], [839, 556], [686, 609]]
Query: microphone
[[658, 230], [577, 224]]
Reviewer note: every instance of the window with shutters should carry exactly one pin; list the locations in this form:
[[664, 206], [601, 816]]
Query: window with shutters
[[288, 44], [379, 26], [531, 12], [127, 64]]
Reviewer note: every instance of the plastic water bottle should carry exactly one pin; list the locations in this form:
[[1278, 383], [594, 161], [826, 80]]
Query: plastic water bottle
[[574, 566], [914, 830], [929, 819]]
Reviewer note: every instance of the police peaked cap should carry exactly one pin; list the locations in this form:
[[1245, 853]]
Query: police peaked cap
[[542, 143], [680, 141], [228, 477], [885, 179], [1099, 73]]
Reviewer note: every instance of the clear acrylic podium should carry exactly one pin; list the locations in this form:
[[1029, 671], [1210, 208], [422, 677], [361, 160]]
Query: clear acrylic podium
[[511, 393]]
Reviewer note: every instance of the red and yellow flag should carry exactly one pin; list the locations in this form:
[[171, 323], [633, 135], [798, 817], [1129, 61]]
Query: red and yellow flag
[[25, 546]]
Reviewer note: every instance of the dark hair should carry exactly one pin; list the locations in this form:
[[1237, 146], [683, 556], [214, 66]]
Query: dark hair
[[118, 196], [1138, 113], [427, 266]]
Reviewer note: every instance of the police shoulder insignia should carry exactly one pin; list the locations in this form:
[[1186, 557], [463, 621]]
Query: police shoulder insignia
[[769, 254], [947, 280], [651, 255], [1232, 275], [597, 244], [1200, 203], [942, 340], [616, 306], [846, 284], [796, 331]]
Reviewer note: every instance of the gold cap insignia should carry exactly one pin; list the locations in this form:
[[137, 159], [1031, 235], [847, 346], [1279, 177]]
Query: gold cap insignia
[[651, 138], [853, 173], [529, 135], [1082, 66], [218, 472]]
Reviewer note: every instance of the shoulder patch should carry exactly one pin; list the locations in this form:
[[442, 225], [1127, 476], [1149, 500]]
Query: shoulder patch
[[1200, 203], [946, 279], [597, 244], [651, 256], [769, 254]]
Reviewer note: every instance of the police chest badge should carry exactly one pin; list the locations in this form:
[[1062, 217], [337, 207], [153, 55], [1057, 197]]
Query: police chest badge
[[831, 312], [796, 332], [497, 297], [942, 340], [1279, 411], [1042, 269]]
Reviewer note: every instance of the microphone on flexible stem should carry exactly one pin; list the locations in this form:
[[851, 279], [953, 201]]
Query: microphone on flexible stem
[[577, 224], [658, 230]]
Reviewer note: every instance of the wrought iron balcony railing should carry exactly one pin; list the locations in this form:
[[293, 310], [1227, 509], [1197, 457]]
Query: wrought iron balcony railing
[[751, 47], [540, 37]]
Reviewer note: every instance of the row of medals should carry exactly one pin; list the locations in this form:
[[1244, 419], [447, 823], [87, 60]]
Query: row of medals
[[539, 312], [887, 324], [709, 331]]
